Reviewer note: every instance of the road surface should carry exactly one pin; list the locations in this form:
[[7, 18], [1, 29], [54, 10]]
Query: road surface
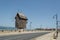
[[27, 36]]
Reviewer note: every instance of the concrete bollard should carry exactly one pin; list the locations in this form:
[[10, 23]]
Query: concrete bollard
[[55, 35]]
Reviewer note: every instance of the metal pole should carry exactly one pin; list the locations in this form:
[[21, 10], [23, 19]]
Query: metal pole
[[56, 34], [30, 25], [41, 27], [56, 25]]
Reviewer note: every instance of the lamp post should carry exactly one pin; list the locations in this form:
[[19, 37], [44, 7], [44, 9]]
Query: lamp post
[[30, 25], [56, 34], [41, 27]]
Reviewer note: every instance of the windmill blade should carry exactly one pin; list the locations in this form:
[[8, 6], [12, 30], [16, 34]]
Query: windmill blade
[[12, 19], [54, 16]]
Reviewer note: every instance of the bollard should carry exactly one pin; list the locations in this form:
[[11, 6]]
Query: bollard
[[55, 35]]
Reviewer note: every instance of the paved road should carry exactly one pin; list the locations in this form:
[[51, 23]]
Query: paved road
[[22, 36]]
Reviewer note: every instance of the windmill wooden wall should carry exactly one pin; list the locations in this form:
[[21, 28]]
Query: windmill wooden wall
[[20, 22]]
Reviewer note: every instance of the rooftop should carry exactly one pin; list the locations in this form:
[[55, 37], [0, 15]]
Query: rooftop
[[21, 15]]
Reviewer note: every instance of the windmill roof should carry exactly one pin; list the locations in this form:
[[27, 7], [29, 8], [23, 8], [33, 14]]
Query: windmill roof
[[21, 15]]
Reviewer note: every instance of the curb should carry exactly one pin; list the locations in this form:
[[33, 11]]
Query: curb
[[48, 36]]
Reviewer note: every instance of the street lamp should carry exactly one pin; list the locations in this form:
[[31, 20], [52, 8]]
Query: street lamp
[[30, 25], [56, 34]]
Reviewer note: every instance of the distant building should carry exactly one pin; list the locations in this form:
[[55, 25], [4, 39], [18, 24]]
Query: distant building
[[20, 21]]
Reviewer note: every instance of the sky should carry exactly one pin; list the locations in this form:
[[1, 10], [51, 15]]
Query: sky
[[39, 12]]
